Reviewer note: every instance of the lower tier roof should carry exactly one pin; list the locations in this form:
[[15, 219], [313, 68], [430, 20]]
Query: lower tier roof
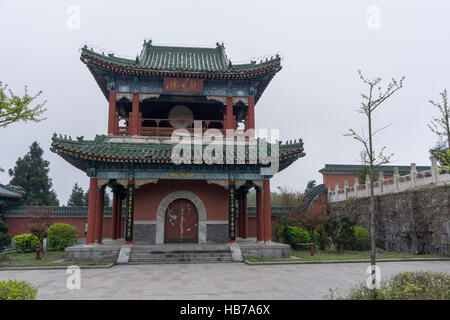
[[106, 150]]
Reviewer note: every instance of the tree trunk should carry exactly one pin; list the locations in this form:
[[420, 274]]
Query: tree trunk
[[372, 207]]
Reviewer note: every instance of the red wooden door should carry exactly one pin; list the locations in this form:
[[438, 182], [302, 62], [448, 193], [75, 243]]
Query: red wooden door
[[181, 222]]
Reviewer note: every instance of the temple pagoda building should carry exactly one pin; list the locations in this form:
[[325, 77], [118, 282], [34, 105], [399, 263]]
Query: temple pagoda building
[[172, 192]]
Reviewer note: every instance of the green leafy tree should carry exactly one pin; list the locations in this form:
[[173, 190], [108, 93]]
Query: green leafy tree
[[5, 238], [444, 159], [31, 175], [370, 102], [76, 197], [15, 108]]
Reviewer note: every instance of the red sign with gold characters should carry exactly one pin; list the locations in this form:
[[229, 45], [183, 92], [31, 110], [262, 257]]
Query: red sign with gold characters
[[183, 85]]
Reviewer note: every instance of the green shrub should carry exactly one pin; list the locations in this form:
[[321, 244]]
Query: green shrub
[[345, 239], [293, 235], [322, 240], [5, 238], [26, 242], [61, 235], [418, 285], [362, 239], [17, 290]]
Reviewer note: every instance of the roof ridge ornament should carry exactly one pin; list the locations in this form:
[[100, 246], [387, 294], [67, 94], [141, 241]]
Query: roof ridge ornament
[[147, 43]]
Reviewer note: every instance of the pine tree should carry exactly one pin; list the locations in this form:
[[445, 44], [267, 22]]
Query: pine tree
[[31, 175], [86, 199], [76, 197]]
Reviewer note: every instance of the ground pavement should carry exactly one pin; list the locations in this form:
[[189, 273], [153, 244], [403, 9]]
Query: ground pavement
[[211, 281]]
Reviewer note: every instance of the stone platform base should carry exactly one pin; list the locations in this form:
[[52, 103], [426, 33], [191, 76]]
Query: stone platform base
[[108, 251], [272, 250], [247, 248]]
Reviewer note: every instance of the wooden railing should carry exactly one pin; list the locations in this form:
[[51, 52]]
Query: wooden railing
[[165, 127]]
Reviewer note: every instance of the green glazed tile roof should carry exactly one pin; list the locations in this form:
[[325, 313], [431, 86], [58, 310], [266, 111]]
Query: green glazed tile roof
[[101, 149], [9, 192], [23, 211], [311, 195], [55, 211], [354, 169], [179, 59]]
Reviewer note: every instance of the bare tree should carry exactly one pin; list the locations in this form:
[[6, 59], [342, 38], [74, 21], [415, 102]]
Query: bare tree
[[370, 102], [440, 126]]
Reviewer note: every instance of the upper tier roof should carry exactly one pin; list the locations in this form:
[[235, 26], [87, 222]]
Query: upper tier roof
[[183, 59]]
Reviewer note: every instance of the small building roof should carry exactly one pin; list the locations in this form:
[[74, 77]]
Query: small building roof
[[9, 193], [355, 169]]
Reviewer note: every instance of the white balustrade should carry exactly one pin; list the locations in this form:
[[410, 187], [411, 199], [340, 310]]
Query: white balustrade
[[397, 183]]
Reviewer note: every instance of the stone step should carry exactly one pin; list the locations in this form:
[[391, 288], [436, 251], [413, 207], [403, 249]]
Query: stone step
[[181, 252], [169, 255], [179, 259], [176, 253], [176, 262]]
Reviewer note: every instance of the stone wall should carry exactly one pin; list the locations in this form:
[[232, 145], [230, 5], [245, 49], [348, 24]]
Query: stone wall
[[416, 221]]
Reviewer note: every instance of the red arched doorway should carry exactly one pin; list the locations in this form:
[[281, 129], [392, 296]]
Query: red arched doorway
[[181, 222]]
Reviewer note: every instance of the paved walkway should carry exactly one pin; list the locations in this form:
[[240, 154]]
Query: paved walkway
[[211, 281]]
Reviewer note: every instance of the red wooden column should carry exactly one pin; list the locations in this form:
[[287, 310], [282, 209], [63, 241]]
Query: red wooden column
[[134, 116], [267, 211], [114, 215], [90, 238], [119, 217], [99, 214], [251, 113], [229, 113], [244, 216], [112, 121], [259, 215]]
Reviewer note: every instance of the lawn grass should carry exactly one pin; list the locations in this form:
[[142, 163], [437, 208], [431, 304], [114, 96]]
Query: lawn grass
[[50, 258], [346, 255]]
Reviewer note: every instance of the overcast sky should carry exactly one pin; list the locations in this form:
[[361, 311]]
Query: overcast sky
[[315, 96]]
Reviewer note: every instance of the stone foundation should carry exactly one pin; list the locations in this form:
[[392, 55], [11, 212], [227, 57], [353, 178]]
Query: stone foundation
[[144, 233], [272, 250], [107, 253], [415, 221], [217, 233]]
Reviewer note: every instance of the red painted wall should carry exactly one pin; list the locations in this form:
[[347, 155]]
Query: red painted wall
[[252, 225], [329, 180], [149, 196], [21, 225]]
